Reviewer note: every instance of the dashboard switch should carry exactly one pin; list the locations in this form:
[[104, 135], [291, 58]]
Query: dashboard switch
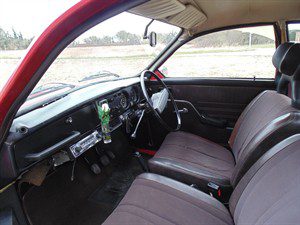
[[69, 120]]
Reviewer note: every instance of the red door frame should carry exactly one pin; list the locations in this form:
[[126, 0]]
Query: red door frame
[[12, 95]]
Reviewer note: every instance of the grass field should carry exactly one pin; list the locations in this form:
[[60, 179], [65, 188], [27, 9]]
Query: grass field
[[75, 63]]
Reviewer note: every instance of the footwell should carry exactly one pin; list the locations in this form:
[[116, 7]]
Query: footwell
[[89, 199], [116, 186]]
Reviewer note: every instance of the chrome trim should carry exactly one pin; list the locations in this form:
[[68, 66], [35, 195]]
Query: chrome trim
[[193, 107], [201, 116]]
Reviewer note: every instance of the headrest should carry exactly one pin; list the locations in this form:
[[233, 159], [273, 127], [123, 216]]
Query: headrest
[[287, 58]]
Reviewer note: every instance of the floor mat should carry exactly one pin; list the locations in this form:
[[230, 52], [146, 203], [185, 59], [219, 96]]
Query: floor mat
[[117, 185], [88, 200]]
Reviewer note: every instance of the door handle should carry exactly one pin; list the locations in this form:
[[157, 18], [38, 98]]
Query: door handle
[[183, 111], [216, 122]]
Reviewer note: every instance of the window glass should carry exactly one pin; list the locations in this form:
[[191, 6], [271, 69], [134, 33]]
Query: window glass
[[236, 53], [294, 32], [114, 48]]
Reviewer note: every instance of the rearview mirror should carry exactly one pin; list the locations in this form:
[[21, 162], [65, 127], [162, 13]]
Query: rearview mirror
[[152, 39]]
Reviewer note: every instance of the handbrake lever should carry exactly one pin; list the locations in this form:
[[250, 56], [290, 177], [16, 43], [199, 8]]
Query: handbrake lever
[[133, 135]]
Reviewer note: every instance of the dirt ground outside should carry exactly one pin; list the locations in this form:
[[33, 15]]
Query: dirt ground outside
[[75, 63]]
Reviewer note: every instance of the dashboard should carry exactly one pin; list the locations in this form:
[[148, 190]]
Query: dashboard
[[70, 124], [120, 102]]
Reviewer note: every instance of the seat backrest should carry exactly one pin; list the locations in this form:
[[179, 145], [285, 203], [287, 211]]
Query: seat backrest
[[268, 119], [274, 132], [269, 191]]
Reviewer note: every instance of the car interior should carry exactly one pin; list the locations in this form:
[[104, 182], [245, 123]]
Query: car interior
[[176, 150]]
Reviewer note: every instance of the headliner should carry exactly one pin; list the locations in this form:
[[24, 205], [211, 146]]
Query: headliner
[[222, 13]]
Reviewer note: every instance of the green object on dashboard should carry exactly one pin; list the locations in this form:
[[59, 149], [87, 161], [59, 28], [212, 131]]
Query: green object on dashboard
[[103, 114]]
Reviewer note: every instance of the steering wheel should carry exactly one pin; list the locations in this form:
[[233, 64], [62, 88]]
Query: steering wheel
[[158, 101]]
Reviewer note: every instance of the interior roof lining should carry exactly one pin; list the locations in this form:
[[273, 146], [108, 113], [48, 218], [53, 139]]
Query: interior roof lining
[[246, 12]]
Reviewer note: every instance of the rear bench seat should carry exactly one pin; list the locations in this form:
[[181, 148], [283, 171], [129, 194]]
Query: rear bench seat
[[267, 194]]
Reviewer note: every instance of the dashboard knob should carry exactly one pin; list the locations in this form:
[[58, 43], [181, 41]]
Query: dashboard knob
[[98, 136], [77, 149], [69, 120]]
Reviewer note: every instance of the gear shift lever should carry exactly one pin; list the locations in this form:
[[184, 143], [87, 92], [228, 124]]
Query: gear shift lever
[[133, 135]]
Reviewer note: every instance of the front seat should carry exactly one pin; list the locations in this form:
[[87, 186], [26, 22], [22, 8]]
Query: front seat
[[268, 119], [267, 194]]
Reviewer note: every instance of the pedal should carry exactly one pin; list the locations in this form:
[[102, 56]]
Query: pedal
[[142, 161], [95, 168], [104, 160], [110, 154]]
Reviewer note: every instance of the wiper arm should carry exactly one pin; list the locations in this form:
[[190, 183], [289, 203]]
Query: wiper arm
[[99, 75]]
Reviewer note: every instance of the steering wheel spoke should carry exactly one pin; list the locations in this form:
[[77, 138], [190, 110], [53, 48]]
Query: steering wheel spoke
[[158, 101]]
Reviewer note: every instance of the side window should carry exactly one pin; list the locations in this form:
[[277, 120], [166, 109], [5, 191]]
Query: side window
[[236, 53], [294, 32]]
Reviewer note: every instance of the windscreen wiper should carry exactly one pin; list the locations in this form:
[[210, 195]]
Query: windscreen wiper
[[100, 74]]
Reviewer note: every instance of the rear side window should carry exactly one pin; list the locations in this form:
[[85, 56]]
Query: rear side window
[[235, 53], [294, 32]]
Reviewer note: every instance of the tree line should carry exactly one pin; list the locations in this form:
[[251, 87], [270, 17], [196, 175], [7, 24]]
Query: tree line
[[15, 41], [231, 38], [122, 38]]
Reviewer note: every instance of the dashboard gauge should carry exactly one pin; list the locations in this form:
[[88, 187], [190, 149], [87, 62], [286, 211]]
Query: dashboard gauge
[[123, 101], [134, 95]]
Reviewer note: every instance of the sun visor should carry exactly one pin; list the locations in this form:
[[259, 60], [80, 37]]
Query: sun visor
[[188, 18], [159, 9]]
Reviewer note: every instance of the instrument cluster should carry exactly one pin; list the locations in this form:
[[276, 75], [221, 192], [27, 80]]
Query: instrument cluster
[[124, 99], [120, 102]]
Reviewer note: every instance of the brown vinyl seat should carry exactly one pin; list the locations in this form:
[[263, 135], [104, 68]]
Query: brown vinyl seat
[[267, 194], [268, 119]]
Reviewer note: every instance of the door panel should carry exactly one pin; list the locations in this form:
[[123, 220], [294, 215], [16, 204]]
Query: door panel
[[214, 105]]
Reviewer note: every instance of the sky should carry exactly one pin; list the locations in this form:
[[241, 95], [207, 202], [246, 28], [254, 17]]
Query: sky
[[31, 17]]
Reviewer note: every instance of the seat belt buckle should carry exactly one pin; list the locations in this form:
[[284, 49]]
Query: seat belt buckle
[[214, 190]]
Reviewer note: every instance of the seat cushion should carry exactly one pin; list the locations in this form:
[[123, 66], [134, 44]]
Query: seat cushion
[[193, 160], [154, 199]]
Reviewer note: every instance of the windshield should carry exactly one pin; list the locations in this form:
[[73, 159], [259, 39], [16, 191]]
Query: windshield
[[113, 49]]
